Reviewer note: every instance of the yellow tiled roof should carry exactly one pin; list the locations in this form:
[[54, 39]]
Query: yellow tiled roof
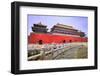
[[64, 26]]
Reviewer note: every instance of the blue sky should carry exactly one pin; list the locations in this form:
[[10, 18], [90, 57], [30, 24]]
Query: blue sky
[[78, 22]]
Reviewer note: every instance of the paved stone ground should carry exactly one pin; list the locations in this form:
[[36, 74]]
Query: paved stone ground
[[73, 51], [70, 51], [78, 52]]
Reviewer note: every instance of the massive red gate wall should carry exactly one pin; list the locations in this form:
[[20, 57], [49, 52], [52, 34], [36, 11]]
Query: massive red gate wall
[[49, 38]]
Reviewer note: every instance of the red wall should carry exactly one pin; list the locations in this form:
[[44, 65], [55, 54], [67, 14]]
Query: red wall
[[49, 38]]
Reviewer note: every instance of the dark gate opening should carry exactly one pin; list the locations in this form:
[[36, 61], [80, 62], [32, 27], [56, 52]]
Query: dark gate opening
[[40, 42], [70, 40], [64, 41]]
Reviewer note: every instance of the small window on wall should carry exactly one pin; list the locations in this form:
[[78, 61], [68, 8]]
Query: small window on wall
[[40, 42]]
